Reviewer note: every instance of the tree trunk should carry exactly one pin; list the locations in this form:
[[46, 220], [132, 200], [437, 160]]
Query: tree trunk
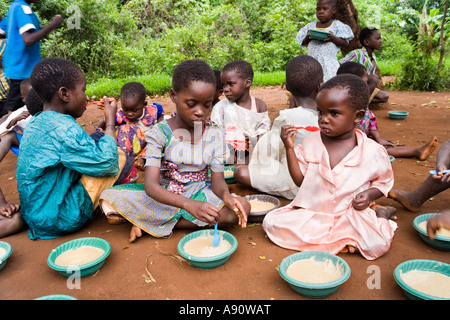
[[346, 12], [442, 41]]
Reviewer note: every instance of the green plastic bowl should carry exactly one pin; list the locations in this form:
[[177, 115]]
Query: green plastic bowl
[[86, 269], [314, 290], [318, 34], [207, 262], [56, 297], [397, 115], [439, 242], [4, 258], [422, 265]]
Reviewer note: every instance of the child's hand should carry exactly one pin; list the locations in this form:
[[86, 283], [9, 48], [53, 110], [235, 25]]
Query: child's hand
[[203, 211], [361, 201], [110, 110], [8, 209], [234, 204], [438, 221], [444, 178], [56, 21], [287, 135]]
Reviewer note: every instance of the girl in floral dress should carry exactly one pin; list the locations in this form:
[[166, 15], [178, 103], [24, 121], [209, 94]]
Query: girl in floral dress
[[176, 191]]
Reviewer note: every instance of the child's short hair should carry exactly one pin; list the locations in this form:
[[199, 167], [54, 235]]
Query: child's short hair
[[352, 67], [304, 74], [23, 84], [33, 102], [357, 89], [50, 74], [241, 67], [219, 85], [133, 90], [366, 33], [189, 71]]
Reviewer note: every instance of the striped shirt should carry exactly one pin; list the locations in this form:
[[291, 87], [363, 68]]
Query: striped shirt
[[361, 56], [4, 82]]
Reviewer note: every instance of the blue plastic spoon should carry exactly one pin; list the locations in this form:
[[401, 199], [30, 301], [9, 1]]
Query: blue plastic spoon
[[443, 171], [216, 239]]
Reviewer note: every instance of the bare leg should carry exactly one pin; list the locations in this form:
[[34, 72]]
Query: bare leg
[[242, 175], [421, 153], [11, 225], [7, 141], [414, 200]]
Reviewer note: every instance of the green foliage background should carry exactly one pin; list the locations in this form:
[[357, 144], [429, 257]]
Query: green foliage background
[[121, 40]]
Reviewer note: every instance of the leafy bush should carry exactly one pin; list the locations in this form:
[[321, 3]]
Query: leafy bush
[[420, 72]]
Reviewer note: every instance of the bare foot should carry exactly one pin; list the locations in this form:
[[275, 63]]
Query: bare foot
[[386, 212], [402, 197], [115, 218], [428, 149], [349, 249], [135, 233]]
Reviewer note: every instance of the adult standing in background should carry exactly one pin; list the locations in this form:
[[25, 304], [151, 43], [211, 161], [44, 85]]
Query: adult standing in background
[[23, 47]]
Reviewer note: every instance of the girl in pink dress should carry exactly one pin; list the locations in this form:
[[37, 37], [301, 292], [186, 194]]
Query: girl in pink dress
[[340, 172]]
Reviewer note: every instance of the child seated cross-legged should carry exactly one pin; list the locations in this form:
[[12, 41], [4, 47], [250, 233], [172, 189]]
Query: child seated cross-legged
[[340, 172], [244, 117], [267, 170], [61, 170], [176, 192]]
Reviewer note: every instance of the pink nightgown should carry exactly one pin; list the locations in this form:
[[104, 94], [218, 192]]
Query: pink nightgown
[[321, 217]]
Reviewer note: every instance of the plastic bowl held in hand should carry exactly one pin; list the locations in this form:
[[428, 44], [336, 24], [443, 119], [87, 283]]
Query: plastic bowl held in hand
[[318, 34]]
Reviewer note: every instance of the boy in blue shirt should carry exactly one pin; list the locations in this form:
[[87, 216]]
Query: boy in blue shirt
[[23, 47]]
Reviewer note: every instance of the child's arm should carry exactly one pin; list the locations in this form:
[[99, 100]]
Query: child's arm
[[363, 199], [438, 221], [31, 37], [220, 188], [287, 136], [200, 210], [110, 117], [341, 43], [377, 137], [443, 162]]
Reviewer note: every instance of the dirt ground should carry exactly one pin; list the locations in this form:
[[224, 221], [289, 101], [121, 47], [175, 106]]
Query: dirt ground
[[251, 272]]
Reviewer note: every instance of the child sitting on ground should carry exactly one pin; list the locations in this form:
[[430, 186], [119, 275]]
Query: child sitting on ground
[[58, 160], [369, 126], [134, 119], [244, 117], [370, 39], [267, 170], [340, 172], [325, 51], [180, 150]]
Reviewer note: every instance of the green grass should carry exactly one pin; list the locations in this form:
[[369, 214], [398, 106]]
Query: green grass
[[157, 84]]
